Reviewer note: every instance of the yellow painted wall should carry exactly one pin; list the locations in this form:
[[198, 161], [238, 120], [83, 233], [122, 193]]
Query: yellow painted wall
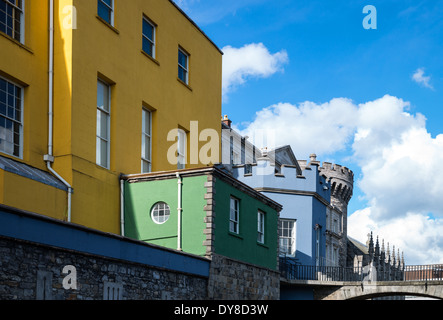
[[33, 196], [115, 53], [27, 65]]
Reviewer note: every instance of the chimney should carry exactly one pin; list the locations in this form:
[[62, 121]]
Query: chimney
[[226, 121]]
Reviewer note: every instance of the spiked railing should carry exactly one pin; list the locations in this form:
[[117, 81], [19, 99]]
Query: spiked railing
[[424, 273], [293, 271]]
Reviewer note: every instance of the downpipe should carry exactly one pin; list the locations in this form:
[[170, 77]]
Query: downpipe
[[179, 212], [49, 158], [122, 207]]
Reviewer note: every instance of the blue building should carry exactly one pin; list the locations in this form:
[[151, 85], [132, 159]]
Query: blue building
[[305, 195], [314, 196]]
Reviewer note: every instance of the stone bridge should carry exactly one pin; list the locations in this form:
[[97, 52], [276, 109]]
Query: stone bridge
[[360, 291], [342, 290], [336, 283]]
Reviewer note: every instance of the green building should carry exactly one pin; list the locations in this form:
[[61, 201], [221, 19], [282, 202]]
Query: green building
[[204, 212]]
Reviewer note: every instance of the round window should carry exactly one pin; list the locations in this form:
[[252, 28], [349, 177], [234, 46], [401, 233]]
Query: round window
[[160, 213]]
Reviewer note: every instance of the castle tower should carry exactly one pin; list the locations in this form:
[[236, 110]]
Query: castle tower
[[342, 187]]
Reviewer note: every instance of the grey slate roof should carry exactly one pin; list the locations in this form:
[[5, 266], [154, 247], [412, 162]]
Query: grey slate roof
[[29, 172]]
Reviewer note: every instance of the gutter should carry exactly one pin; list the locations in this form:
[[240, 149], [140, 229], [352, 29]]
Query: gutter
[[164, 175]]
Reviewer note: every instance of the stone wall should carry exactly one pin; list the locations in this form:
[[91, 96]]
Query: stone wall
[[234, 280], [342, 189], [35, 272], [45, 259]]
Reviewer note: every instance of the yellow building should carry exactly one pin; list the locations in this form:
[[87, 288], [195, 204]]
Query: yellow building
[[89, 90]]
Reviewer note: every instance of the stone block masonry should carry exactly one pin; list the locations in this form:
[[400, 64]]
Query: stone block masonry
[[235, 280], [44, 259], [35, 272]]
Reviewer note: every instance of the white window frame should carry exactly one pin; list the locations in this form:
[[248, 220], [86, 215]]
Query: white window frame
[[19, 122], [290, 239], [101, 112], [111, 8], [157, 209], [181, 149], [185, 68], [146, 134], [234, 216], [261, 227], [154, 35], [22, 21]]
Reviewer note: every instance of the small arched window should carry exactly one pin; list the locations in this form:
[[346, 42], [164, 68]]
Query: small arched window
[[160, 213]]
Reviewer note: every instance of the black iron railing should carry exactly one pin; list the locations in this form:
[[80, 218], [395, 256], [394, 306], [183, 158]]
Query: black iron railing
[[321, 273], [424, 273], [291, 270]]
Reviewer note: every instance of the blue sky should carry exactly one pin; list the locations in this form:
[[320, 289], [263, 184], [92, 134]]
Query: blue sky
[[371, 100]]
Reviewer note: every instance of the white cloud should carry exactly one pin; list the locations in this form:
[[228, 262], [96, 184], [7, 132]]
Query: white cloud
[[400, 162], [336, 125], [418, 236], [250, 61], [406, 176], [308, 127], [420, 78]]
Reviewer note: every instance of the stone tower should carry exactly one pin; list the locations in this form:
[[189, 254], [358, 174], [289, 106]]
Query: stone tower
[[342, 187]]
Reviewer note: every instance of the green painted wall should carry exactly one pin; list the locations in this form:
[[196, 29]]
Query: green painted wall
[[142, 196], [245, 246]]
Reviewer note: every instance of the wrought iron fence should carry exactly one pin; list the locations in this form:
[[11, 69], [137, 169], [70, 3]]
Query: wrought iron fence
[[292, 270], [321, 273], [424, 273]]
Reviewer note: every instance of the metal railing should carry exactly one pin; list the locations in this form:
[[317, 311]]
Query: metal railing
[[291, 270], [424, 273], [321, 273]]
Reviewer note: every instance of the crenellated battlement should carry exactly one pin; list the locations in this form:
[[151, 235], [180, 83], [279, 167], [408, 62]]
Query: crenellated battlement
[[267, 167], [329, 169], [337, 171], [266, 174], [341, 179]]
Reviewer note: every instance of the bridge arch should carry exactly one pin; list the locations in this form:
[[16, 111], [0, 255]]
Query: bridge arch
[[362, 291], [392, 294]]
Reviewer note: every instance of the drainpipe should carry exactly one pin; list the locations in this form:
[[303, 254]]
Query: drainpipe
[[49, 158], [122, 207], [179, 211]]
